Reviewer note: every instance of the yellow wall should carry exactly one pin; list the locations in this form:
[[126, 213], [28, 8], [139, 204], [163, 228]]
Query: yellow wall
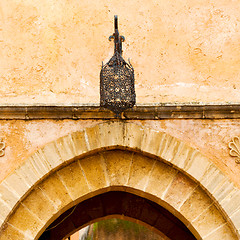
[[182, 51]]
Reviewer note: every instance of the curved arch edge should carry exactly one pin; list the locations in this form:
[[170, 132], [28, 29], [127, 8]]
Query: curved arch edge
[[120, 135]]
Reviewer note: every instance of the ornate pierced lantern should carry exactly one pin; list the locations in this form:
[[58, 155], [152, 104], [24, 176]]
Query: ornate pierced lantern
[[117, 91]]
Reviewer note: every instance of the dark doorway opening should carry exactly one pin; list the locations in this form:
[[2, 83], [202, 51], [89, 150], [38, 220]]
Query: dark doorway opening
[[117, 203]]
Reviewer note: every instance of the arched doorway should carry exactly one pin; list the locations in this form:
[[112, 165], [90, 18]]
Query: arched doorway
[[117, 157], [119, 204]]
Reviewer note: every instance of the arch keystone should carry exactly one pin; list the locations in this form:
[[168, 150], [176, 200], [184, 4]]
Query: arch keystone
[[133, 135], [94, 171], [111, 134], [118, 168]]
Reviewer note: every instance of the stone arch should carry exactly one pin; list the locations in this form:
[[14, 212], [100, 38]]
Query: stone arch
[[23, 184]]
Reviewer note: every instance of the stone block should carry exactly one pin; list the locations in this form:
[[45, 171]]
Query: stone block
[[133, 135], [179, 191], [8, 196], [223, 190], [224, 233], [161, 177], [74, 180], [54, 189], [95, 172], [196, 204], [181, 154], [118, 165], [236, 219], [230, 203], [167, 145], [52, 155], [197, 165], [92, 138], [170, 149], [11, 233], [17, 184], [39, 205], [79, 143], [39, 163], [151, 141], [24, 220], [65, 147], [140, 171], [111, 134], [213, 179], [28, 172], [4, 211], [209, 221]]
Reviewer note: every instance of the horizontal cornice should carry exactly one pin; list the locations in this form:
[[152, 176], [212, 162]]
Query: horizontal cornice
[[141, 112]]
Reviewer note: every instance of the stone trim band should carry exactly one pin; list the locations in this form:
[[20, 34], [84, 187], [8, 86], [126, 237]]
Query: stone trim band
[[139, 112]]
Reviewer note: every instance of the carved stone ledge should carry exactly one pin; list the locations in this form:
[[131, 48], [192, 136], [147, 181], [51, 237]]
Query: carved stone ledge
[[234, 146], [139, 112]]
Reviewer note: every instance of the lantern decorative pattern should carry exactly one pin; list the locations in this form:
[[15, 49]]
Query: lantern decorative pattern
[[117, 91]]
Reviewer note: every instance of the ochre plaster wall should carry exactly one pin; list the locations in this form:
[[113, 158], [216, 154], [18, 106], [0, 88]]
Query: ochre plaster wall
[[182, 51], [210, 137]]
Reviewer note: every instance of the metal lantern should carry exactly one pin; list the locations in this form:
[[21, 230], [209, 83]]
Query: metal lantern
[[117, 91]]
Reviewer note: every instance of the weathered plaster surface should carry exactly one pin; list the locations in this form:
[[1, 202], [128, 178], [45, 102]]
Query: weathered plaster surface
[[210, 137], [182, 51]]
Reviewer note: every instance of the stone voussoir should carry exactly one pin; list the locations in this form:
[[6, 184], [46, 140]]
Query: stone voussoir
[[223, 190], [4, 211], [230, 203], [92, 138], [151, 141], [55, 190], [39, 205], [11, 233], [139, 175], [213, 179], [236, 219], [165, 151], [74, 180], [111, 134], [65, 147], [164, 174], [17, 184], [117, 167], [52, 155], [7, 196], [39, 163], [94, 171], [79, 142], [196, 204], [28, 172], [133, 135], [171, 148], [209, 221], [26, 221], [181, 154], [197, 165]]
